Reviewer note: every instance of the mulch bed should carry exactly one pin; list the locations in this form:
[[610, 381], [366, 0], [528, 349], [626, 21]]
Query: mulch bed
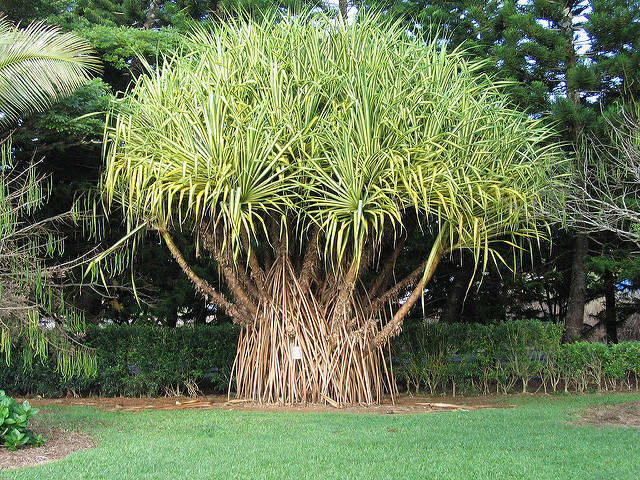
[[58, 444], [403, 404], [619, 415]]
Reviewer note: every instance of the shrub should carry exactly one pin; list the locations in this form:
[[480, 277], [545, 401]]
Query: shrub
[[580, 364], [137, 360], [493, 357], [14, 418], [147, 360], [617, 366]]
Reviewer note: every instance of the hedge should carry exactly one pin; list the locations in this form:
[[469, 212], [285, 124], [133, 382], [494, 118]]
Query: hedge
[[136, 360], [146, 360], [494, 358]]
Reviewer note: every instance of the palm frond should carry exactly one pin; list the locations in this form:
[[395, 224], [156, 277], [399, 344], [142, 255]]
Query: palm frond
[[39, 65]]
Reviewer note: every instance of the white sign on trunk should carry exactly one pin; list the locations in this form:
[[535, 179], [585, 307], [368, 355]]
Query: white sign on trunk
[[296, 353]]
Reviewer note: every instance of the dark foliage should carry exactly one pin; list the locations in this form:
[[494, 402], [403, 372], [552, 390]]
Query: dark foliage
[[136, 360]]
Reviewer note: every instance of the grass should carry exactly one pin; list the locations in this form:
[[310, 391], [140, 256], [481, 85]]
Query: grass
[[534, 441]]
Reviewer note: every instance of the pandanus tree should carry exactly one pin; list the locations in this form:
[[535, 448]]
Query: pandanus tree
[[300, 154]]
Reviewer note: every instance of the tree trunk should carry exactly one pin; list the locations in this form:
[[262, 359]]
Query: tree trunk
[[577, 289], [454, 304], [291, 353], [610, 307], [343, 7], [310, 340], [152, 14], [298, 350], [150, 20], [171, 321]]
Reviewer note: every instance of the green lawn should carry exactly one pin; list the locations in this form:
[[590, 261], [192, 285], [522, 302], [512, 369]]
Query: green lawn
[[534, 441]]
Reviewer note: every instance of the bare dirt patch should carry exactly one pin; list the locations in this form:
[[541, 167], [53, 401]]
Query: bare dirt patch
[[618, 415], [402, 404], [59, 443]]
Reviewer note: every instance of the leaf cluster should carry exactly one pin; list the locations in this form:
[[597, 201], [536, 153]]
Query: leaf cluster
[[347, 128], [39, 65], [13, 423]]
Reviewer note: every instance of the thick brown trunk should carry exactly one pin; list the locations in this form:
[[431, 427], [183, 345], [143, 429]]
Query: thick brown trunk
[[242, 314], [309, 341], [292, 353], [610, 307], [577, 289], [152, 14], [311, 259], [343, 7], [342, 304], [242, 288], [257, 273], [457, 295]]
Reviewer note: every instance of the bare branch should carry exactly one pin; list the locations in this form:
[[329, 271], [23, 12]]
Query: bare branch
[[199, 283], [606, 187]]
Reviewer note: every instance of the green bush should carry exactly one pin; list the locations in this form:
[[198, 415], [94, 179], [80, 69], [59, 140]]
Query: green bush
[[630, 354], [147, 360], [616, 370], [580, 365], [14, 418], [549, 351], [495, 357], [137, 360]]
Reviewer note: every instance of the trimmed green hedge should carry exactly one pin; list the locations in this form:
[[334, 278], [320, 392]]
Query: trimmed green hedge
[[495, 358], [146, 360], [137, 360]]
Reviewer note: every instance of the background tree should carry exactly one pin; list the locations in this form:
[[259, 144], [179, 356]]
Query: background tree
[[610, 193], [38, 65], [469, 25], [572, 61], [27, 12], [313, 151]]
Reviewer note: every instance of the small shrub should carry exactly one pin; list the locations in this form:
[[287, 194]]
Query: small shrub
[[14, 418], [614, 367]]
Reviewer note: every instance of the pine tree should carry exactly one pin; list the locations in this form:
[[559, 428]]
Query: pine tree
[[466, 24], [614, 34], [569, 60], [572, 79]]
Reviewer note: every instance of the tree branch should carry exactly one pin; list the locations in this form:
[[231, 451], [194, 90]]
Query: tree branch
[[257, 273], [236, 278], [394, 326], [394, 292], [201, 285]]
